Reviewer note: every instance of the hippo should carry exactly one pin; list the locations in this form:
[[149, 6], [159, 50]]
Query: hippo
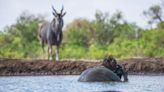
[[98, 74], [109, 71]]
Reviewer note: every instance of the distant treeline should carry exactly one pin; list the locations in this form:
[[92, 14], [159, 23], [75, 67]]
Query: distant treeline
[[84, 39]]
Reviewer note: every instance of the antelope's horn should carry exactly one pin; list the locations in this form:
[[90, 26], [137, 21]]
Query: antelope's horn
[[62, 9], [54, 9]]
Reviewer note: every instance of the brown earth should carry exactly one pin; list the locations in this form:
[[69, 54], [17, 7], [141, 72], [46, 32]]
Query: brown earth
[[68, 67]]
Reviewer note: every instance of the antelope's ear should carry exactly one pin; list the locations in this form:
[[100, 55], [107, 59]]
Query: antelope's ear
[[63, 14], [54, 14]]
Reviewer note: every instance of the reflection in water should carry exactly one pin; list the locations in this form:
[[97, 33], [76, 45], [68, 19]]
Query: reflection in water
[[70, 84]]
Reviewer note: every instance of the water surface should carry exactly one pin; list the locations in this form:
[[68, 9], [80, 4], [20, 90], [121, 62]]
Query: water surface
[[70, 84]]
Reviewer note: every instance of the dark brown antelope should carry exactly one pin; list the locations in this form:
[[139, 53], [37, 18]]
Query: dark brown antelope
[[51, 33]]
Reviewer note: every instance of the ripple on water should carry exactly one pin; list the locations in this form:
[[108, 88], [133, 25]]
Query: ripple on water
[[136, 83]]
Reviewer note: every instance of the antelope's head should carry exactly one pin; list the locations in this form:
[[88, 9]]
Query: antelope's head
[[58, 18]]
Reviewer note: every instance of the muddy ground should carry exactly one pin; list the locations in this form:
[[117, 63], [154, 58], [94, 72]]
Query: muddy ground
[[68, 67]]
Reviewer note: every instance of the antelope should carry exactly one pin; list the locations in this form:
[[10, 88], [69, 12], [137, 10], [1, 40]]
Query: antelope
[[51, 33]]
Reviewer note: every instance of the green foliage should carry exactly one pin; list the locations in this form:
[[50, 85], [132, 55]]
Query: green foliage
[[84, 39], [20, 40], [154, 43], [73, 52], [108, 36], [160, 25], [77, 33]]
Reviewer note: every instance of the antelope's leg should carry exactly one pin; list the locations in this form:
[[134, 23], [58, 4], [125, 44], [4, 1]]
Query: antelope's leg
[[43, 48], [50, 52], [57, 53]]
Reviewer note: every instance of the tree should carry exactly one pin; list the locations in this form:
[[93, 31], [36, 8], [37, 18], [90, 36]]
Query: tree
[[77, 33], [154, 13], [116, 18], [20, 39]]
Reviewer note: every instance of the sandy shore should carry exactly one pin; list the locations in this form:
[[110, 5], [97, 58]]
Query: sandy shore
[[20, 67]]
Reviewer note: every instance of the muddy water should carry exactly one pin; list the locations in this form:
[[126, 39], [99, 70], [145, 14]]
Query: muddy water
[[70, 84]]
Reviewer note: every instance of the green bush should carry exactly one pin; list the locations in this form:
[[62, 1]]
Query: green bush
[[84, 39]]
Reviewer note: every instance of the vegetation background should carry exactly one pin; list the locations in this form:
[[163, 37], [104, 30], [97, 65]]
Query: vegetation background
[[89, 39]]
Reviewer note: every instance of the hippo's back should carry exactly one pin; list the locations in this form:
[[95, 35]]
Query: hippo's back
[[98, 74]]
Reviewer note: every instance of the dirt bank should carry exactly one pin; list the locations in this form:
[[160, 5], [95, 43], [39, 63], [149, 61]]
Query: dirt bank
[[69, 67]]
